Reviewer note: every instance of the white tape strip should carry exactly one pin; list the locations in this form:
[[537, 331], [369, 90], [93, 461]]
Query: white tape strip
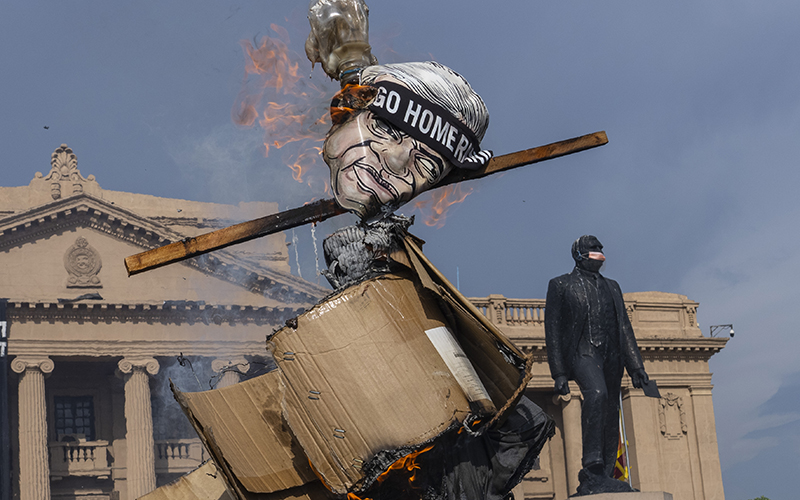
[[458, 363]]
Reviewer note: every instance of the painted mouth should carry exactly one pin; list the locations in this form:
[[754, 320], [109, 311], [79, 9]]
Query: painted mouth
[[370, 181]]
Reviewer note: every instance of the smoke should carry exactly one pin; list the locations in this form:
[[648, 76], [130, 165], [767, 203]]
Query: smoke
[[190, 374], [227, 166], [169, 422]]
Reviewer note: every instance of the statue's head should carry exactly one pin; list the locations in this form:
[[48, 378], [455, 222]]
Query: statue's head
[[399, 133], [587, 251]]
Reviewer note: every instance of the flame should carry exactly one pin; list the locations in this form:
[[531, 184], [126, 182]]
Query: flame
[[353, 496], [291, 109], [434, 208], [349, 100], [408, 463]]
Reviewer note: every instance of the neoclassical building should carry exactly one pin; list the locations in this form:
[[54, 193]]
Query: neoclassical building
[[91, 351]]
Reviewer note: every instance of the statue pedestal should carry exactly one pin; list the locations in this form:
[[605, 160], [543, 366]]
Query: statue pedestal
[[638, 495]]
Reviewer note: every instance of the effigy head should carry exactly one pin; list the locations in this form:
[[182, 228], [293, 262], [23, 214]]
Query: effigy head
[[399, 132]]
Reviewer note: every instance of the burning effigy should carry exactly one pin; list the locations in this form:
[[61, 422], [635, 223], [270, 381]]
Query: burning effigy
[[394, 386]]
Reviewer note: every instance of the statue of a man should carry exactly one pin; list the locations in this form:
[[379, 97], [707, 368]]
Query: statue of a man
[[589, 340]]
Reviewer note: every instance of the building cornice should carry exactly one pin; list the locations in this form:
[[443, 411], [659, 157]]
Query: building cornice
[[144, 348], [84, 210], [676, 349], [164, 314], [697, 381]]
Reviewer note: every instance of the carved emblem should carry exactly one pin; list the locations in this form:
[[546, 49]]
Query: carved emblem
[[672, 417], [82, 263], [64, 169]]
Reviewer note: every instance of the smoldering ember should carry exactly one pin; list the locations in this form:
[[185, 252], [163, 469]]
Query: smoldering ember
[[395, 385]]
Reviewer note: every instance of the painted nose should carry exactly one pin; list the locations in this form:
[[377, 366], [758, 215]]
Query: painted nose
[[396, 158]]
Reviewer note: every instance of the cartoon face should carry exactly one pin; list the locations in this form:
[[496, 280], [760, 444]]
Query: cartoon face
[[373, 165]]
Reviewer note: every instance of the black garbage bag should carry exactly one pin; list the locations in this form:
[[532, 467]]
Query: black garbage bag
[[462, 466]]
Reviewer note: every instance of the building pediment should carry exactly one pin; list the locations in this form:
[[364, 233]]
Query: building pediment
[[64, 216]]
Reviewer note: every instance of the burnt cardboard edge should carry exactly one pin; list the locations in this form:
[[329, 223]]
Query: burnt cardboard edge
[[462, 316], [384, 459], [422, 266], [232, 484]]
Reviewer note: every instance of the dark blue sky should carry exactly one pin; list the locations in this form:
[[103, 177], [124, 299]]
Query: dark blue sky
[[694, 194]]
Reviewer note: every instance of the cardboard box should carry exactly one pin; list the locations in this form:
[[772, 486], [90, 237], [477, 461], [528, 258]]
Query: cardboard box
[[367, 376], [385, 366]]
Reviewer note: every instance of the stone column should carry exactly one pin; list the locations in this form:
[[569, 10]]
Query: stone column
[[573, 441], [644, 439], [706, 435], [139, 425], [230, 369], [34, 470]]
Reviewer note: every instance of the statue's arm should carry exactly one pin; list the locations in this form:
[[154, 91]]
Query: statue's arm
[[629, 347], [554, 329]]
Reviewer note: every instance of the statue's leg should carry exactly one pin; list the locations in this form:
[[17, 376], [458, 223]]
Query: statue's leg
[[611, 421], [588, 373]]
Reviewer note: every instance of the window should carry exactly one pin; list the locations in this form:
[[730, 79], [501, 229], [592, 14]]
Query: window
[[74, 415]]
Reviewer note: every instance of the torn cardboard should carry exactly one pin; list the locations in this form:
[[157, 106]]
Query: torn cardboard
[[388, 365], [203, 483], [206, 483], [243, 428]]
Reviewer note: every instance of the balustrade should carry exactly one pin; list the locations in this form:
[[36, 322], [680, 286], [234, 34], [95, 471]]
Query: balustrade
[[179, 455], [524, 312], [86, 458], [503, 312]]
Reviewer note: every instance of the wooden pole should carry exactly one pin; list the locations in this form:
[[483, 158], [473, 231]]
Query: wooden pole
[[324, 209]]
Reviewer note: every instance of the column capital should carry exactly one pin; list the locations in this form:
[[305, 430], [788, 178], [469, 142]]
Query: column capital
[[220, 364], [127, 365], [22, 363]]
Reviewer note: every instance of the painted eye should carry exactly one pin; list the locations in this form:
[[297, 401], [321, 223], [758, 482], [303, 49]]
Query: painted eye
[[386, 128], [427, 167]]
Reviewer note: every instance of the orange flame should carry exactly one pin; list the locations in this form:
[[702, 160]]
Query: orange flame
[[291, 109], [349, 100], [408, 463], [434, 208], [353, 496]]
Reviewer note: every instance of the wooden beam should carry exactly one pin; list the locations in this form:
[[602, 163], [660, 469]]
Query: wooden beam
[[231, 235], [324, 209], [527, 157]]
